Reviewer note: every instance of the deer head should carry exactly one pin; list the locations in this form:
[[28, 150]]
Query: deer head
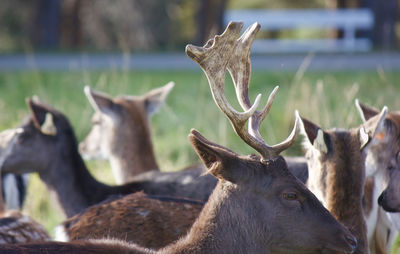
[[28, 148], [390, 197], [112, 114], [280, 214], [121, 131], [386, 143]]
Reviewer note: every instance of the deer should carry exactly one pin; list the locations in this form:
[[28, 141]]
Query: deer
[[16, 227], [257, 202], [13, 188], [389, 199], [380, 163], [336, 164], [147, 220], [63, 170], [121, 133]]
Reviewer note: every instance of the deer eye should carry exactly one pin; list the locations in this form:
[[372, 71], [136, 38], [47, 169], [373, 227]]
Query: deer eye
[[289, 195]]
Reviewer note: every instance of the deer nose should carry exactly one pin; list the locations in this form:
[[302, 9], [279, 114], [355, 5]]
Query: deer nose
[[352, 241], [380, 199]]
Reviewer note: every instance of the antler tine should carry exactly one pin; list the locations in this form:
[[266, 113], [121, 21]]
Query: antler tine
[[239, 65], [213, 59], [258, 117]]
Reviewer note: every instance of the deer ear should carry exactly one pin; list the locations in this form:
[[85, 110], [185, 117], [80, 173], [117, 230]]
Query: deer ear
[[372, 128], [38, 111], [216, 158], [315, 135], [156, 97], [365, 112], [101, 102], [48, 126]]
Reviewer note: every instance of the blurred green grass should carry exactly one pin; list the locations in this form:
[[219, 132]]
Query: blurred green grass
[[325, 98]]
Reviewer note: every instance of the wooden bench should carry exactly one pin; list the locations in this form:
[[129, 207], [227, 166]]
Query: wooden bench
[[348, 20]]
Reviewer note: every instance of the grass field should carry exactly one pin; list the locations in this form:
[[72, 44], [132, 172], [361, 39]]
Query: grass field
[[325, 98]]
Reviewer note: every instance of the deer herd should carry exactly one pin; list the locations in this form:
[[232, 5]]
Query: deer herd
[[342, 197]]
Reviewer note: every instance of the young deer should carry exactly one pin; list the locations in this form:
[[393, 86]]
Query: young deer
[[336, 164], [149, 221], [62, 169], [258, 206], [380, 161]]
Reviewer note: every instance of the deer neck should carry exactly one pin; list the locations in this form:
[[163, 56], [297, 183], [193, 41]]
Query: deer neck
[[340, 187], [219, 228], [132, 151], [132, 160], [73, 185]]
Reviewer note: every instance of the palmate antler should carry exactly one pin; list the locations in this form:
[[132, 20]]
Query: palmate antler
[[223, 52]]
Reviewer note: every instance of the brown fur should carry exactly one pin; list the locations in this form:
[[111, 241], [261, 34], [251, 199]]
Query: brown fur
[[246, 214], [144, 154], [368, 194], [148, 221], [338, 176], [18, 228]]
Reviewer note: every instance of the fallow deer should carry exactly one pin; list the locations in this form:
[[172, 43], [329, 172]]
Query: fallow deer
[[13, 187], [149, 221], [381, 158], [16, 227], [390, 197], [121, 131], [45, 143], [336, 164], [258, 206]]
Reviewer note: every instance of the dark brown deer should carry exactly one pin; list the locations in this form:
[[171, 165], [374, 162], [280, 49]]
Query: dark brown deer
[[121, 131], [336, 164], [258, 206], [381, 159], [45, 143], [149, 221]]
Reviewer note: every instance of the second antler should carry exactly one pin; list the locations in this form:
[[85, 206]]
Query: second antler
[[223, 52]]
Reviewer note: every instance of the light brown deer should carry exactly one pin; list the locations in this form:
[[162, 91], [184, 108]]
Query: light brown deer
[[336, 164], [121, 131], [258, 206], [149, 221], [381, 158]]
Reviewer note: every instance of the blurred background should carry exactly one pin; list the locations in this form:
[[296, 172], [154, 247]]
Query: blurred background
[[322, 53], [140, 25]]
